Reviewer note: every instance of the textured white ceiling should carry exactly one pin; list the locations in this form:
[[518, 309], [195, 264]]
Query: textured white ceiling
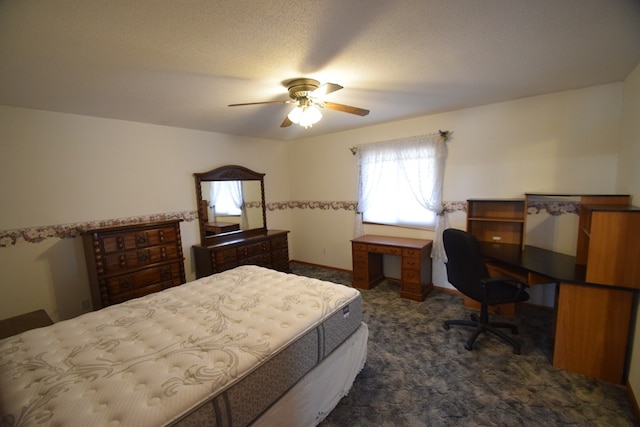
[[180, 62]]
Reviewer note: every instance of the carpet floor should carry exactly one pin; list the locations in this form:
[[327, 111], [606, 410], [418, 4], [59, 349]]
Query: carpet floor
[[419, 374]]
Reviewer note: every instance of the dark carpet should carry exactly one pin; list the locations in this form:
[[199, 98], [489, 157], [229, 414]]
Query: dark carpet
[[419, 374]]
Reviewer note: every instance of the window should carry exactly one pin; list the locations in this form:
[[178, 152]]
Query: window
[[400, 181]]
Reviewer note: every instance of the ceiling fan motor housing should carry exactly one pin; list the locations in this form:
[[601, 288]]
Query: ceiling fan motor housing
[[301, 88]]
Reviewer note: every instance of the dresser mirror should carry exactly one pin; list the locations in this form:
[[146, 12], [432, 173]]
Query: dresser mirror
[[230, 203]]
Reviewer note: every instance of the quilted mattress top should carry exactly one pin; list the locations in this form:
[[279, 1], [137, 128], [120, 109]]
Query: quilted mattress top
[[150, 360]]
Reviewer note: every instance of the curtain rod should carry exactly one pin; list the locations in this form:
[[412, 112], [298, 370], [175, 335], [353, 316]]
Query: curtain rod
[[445, 135]]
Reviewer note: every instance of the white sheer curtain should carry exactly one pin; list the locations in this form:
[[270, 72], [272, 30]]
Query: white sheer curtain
[[214, 193], [237, 195], [422, 160], [226, 192]]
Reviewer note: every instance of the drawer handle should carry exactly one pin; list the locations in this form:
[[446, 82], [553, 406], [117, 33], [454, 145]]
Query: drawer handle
[[141, 239], [166, 273], [120, 243], [143, 257], [123, 261], [126, 283]]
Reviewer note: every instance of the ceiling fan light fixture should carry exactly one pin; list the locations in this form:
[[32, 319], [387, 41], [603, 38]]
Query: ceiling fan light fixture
[[305, 115]]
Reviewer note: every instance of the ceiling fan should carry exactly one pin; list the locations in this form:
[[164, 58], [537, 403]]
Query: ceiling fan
[[307, 95]]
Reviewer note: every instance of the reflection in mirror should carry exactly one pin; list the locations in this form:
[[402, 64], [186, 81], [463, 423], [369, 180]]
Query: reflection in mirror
[[230, 203]]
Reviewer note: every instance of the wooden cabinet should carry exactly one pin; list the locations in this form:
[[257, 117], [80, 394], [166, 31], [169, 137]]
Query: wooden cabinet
[[367, 252], [131, 261], [267, 249], [497, 220], [608, 245]]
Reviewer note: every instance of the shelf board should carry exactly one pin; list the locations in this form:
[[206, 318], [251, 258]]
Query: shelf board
[[496, 219]]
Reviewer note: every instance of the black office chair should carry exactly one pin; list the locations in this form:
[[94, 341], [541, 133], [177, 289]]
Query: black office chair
[[467, 272]]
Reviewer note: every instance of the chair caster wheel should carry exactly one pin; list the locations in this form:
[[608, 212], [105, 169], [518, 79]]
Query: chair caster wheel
[[468, 347], [446, 326]]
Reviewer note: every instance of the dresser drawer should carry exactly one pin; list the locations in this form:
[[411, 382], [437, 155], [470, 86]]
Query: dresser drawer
[[120, 242], [137, 293], [263, 260], [281, 264], [225, 256], [253, 249], [139, 258], [281, 255], [269, 249], [280, 243], [128, 283]]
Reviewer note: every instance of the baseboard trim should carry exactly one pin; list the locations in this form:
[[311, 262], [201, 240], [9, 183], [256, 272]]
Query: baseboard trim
[[320, 265]]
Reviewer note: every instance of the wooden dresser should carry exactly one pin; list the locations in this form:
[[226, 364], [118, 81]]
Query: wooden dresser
[[367, 252], [131, 261], [267, 249]]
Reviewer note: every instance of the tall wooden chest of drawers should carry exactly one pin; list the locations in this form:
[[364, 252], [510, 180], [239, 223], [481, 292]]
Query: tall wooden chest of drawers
[[131, 261], [267, 249]]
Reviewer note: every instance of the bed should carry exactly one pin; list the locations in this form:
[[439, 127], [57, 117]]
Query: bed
[[248, 346]]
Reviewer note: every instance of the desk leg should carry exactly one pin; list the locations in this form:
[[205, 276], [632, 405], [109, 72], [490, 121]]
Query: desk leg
[[592, 328]]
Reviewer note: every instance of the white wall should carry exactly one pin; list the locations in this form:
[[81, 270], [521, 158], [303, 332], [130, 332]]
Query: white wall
[[561, 142], [61, 168], [629, 182]]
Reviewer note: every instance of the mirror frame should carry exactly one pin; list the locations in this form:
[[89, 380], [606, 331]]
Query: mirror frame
[[228, 173]]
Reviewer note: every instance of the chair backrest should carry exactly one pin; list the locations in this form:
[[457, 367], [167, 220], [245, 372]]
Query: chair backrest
[[465, 264]]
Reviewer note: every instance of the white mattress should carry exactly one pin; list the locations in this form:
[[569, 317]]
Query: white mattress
[[151, 361]]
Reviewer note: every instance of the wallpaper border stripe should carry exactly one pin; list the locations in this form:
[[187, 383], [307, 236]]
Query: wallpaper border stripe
[[69, 231]]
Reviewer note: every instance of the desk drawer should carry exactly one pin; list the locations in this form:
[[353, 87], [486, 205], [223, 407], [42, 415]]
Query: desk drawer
[[380, 249], [410, 263], [412, 288], [360, 257], [411, 253], [359, 246], [410, 276]]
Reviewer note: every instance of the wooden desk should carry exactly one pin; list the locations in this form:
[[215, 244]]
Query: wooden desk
[[415, 254], [592, 320]]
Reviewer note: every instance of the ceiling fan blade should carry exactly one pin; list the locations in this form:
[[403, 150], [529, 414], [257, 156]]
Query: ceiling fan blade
[[325, 89], [286, 123], [346, 108], [288, 101]]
